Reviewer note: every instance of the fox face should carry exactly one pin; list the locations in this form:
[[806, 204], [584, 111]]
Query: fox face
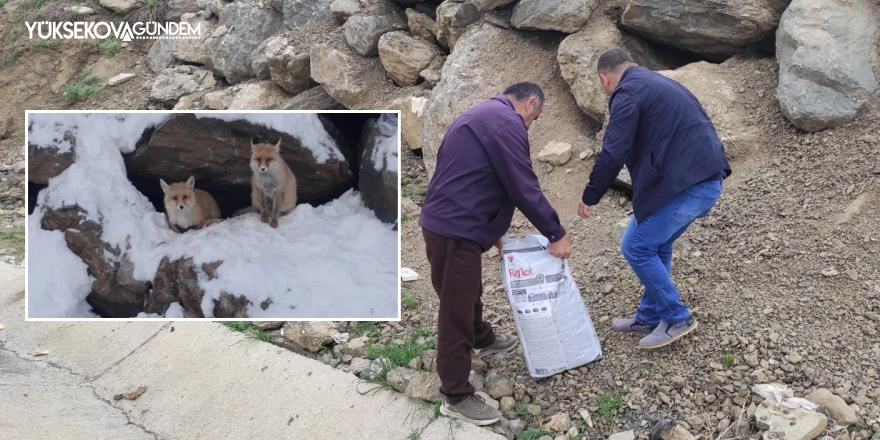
[[265, 158], [179, 196]]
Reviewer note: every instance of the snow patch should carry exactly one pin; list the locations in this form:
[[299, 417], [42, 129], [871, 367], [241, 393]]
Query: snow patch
[[386, 151]]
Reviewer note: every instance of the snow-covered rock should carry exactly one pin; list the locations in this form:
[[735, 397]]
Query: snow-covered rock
[[379, 167]]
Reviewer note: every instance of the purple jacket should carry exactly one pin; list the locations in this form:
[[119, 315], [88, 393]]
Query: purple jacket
[[483, 172]]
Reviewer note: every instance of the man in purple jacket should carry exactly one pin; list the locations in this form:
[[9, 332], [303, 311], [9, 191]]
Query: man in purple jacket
[[483, 172], [677, 163]]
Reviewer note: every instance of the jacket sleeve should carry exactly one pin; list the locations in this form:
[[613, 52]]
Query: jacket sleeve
[[508, 152], [616, 145]]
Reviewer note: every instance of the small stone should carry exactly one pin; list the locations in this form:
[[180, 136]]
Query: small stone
[[489, 401], [533, 409], [852, 274], [625, 435], [789, 423], [499, 387], [507, 403], [409, 208], [359, 365], [399, 377], [835, 406], [407, 274], [356, 347], [425, 386], [794, 357], [80, 10], [559, 422], [268, 325], [556, 153], [121, 78], [830, 272]]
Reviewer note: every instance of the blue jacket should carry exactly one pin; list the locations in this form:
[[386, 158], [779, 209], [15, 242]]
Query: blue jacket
[[483, 172], [659, 130]]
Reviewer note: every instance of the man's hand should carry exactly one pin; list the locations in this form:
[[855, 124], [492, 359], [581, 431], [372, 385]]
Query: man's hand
[[561, 248], [499, 245], [583, 210]]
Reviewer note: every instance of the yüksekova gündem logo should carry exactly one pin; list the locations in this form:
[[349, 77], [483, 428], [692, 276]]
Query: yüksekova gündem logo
[[88, 30]]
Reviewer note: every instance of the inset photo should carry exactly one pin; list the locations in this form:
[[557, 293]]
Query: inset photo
[[223, 215]]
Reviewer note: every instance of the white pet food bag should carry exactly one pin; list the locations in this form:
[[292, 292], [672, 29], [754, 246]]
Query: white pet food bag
[[552, 320]]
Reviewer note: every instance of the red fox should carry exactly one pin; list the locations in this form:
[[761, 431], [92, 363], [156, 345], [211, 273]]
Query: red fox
[[187, 207], [274, 185]]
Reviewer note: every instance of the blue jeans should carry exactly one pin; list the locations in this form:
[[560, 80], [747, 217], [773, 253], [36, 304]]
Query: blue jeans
[[647, 247]]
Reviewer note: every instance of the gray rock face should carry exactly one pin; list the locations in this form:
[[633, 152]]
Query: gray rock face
[[248, 23], [488, 5], [425, 386], [476, 70], [557, 15], [577, 56], [199, 50], [46, 162], [362, 32], [824, 52], [452, 20], [300, 12], [259, 95], [161, 55], [286, 64], [405, 56], [174, 82], [378, 179], [710, 27], [399, 378]]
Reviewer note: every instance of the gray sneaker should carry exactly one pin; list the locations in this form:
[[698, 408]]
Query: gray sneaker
[[665, 333], [502, 344], [472, 409], [630, 325]]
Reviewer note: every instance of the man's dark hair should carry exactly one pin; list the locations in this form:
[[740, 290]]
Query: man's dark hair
[[525, 90], [612, 58]]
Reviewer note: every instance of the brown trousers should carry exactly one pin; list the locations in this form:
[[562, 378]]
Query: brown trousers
[[456, 272]]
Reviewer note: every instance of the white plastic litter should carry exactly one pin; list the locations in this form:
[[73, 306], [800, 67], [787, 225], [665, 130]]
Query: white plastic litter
[[407, 274], [552, 321], [779, 393]]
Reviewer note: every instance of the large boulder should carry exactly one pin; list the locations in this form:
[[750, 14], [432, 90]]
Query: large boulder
[[197, 50], [362, 32], [178, 281], [824, 51], [115, 293], [421, 24], [716, 28], [300, 12], [452, 20], [411, 109], [378, 174], [480, 68], [311, 336], [247, 24], [715, 85], [285, 63], [175, 82], [175, 9], [180, 147], [579, 52], [555, 15], [404, 56]]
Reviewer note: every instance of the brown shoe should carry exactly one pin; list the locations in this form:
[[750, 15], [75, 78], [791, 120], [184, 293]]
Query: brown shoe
[[472, 409], [501, 344]]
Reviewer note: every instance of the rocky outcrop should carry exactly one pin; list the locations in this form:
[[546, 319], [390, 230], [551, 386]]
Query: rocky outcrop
[[379, 173], [556, 15], [299, 12], [404, 56], [345, 75], [716, 28], [259, 95], [176, 281], [312, 99], [247, 24], [421, 24], [480, 68], [578, 53], [115, 292], [179, 148], [824, 51], [175, 9]]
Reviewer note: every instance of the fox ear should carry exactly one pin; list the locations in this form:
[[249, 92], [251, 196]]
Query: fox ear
[[191, 182], [278, 146], [252, 142], [164, 185]]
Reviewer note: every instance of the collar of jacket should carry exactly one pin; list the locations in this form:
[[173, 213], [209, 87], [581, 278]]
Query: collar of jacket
[[503, 98], [626, 72]]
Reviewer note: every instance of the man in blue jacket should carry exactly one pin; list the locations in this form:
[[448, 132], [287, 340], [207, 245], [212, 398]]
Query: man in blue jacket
[[483, 172], [659, 130]]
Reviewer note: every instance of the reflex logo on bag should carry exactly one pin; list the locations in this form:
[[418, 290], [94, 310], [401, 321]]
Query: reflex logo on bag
[[520, 272], [88, 30]]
